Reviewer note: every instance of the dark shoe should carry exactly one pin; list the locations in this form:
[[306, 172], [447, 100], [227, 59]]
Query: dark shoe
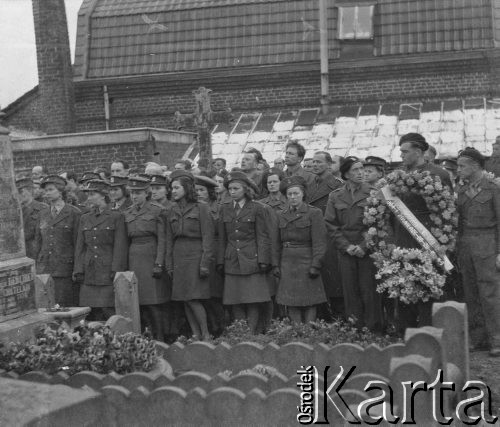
[[495, 352]]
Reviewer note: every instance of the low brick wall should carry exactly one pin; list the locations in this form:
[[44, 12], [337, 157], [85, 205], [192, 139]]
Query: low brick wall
[[85, 151]]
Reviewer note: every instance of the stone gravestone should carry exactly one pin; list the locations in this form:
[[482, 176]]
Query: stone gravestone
[[17, 272]]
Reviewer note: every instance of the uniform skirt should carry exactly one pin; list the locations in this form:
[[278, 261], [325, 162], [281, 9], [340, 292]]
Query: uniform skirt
[[97, 296], [246, 289], [187, 283], [296, 288], [141, 259]]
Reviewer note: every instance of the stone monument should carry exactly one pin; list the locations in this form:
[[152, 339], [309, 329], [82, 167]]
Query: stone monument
[[18, 311]]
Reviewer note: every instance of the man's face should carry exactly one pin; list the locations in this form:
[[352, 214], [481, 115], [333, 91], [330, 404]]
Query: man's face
[[218, 165], [335, 166], [319, 164], [36, 172], [279, 164], [308, 165], [372, 174], [180, 167], [496, 148], [291, 157], [248, 162], [118, 169], [409, 154], [356, 174], [466, 167]]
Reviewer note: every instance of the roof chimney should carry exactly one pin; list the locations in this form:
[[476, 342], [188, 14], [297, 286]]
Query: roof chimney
[[55, 75]]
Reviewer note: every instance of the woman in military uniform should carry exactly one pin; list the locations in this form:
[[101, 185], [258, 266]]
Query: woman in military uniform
[[159, 190], [244, 253], [300, 248], [101, 251], [205, 192], [118, 193], [31, 209], [344, 221], [276, 200], [56, 236], [145, 224], [190, 250]]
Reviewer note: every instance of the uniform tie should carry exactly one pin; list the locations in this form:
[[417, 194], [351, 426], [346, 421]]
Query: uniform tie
[[237, 208], [53, 211]]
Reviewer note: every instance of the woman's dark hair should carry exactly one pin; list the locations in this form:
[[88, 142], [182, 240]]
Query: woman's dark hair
[[272, 171], [189, 189]]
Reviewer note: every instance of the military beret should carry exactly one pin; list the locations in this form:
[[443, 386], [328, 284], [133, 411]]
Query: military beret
[[176, 174], [97, 185], [450, 164], [138, 183], [347, 164], [473, 154], [159, 180], [205, 181], [416, 140], [292, 181], [375, 161], [53, 179], [88, 176], [117, 181], [240, 176], [24, 183]]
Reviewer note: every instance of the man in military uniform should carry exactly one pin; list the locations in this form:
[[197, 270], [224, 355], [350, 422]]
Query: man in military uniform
[[374, 169], [479, 242], [319, 191], [31, 214], [118, 193], [249, 163], [294, 155], [493, 163]]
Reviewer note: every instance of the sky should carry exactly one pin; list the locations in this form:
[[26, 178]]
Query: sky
[[18, 72]]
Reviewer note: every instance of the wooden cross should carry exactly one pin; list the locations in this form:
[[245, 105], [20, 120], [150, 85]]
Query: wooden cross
[[203, 120]]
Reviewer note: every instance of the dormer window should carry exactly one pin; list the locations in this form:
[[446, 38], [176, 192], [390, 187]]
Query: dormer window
[[356, 22]]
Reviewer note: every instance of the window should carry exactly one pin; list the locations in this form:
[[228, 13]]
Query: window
[[356, 22]]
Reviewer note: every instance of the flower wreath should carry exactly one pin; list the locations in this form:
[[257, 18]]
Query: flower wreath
[[411, 274]]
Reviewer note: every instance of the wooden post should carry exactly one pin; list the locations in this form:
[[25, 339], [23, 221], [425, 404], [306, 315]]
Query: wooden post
[[127, 298], [203, 121]]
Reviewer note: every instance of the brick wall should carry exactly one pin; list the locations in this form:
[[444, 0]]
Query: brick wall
[[55, 73], [157, 110], [61, 153]]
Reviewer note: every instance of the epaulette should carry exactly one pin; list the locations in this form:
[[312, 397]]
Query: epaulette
[[157, 205]]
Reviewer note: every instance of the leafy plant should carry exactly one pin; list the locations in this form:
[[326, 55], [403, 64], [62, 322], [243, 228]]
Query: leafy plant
[[95, 349], [284, 331]]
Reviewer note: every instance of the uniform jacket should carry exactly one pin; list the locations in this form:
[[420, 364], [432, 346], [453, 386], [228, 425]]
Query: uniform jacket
[[344, 216], [124, 206], [56, 238], [244, 240], [147, 223], [257, 177], [480, 209], [278, 205], [31, 217], [102, 246], [302, 227], [319, 191], [191, 221]]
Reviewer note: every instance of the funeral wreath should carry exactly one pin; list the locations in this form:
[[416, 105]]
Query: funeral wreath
[[411, 274]]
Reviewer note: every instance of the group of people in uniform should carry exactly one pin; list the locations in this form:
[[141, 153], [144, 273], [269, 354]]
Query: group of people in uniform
[[254, 242]]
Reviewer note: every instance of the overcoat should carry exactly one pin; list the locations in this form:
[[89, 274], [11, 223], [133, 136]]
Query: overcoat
[[301, 245], [56, 238], [319, 191], [31, 217], [190, 247], [146, 233], [244, 240], [102, 246]]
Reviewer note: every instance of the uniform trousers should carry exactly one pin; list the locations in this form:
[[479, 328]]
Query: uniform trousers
[[360, 294], [481, 279]]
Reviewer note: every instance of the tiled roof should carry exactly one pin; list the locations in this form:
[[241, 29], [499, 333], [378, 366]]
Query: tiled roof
[[132, 37], [143, 37], [411, 26], [363, 130]]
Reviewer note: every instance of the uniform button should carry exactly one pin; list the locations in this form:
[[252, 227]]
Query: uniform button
[[237, 241], [238, 249], [95, 256], [95, 247], [50, 253], [95, 228]]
